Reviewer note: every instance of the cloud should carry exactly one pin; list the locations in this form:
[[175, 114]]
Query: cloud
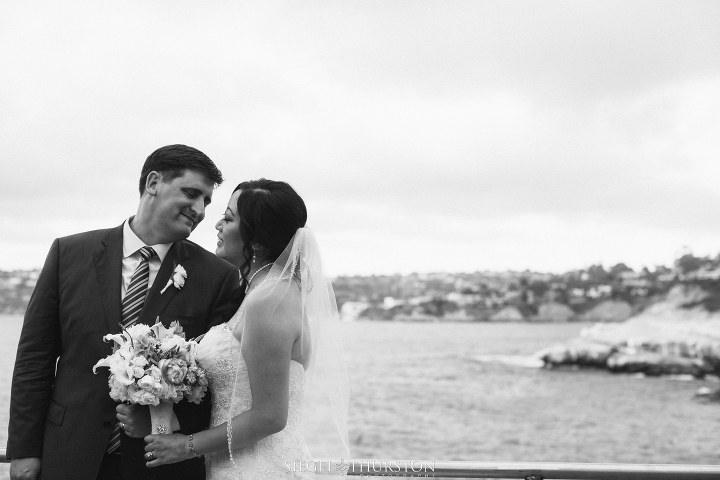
[[532, 134]]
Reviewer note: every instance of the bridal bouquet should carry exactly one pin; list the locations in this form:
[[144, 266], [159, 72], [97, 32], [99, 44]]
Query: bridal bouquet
[[154, 366]]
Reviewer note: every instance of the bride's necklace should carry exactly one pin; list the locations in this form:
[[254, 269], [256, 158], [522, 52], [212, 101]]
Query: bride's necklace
[[256, 272]]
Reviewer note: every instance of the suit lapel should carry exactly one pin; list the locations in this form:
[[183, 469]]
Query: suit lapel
[[108, 266], [156, 302]]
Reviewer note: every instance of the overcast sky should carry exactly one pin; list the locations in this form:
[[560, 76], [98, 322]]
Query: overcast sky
[[423, 136]]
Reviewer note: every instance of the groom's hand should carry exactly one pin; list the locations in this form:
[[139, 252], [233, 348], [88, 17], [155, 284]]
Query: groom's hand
[[135, 418], [25, 468]]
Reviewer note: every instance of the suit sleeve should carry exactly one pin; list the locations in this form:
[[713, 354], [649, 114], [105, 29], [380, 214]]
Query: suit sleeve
[[228, 299], [34, 373], [194, 418]]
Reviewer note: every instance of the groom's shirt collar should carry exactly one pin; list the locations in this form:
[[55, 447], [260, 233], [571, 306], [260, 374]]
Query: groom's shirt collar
[[131, 257], [131, 243]]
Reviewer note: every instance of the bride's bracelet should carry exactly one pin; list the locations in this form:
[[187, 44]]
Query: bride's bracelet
[[190, 446]]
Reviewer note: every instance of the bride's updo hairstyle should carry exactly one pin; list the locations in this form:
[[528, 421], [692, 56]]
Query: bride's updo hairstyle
[[270, 213]]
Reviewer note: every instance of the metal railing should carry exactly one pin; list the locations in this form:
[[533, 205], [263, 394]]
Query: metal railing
[[509, 470], [532, 471]]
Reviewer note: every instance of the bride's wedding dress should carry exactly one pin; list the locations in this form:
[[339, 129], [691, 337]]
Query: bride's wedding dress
[[272, 457], [295, 289]]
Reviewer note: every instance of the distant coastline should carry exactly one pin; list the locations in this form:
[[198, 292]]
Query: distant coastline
[[594, 294]]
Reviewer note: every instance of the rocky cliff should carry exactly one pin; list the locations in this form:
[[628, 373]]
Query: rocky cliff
[[677, 334]]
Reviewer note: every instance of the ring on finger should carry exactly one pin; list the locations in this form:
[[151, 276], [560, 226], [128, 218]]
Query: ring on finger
[[149, 456], [122, 425]]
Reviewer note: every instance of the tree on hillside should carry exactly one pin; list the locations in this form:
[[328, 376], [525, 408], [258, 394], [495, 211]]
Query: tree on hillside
[[538, 287], [598, 274], [689, 263], [618, 269]]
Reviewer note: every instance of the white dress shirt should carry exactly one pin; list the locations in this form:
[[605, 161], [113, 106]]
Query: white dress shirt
[[131, 257], [130, 261]]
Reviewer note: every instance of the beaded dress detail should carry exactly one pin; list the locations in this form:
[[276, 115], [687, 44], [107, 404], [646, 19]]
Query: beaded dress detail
[[272, 457]]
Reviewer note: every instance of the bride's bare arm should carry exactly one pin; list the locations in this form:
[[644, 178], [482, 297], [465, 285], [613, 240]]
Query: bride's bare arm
[[267, 337]]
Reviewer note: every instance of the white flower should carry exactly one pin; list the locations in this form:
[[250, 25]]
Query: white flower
[[157, 389], [150, 364], [196, 394], [178, 278], [172, 342], [120, 369], [118, 391], [176, 328], [185, 354], [140, 361], [174, 370], [149, 398], [138, 395], [159, 330], [138, 329], [147, 383], [192, 350]]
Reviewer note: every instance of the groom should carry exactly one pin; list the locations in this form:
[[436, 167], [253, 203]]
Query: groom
[[63, 422]]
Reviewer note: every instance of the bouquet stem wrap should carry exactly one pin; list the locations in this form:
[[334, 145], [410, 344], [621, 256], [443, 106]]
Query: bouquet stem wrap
[[161, 417]]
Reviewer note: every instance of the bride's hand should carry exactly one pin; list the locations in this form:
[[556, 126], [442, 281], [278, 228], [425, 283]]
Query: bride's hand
[[166, 449]]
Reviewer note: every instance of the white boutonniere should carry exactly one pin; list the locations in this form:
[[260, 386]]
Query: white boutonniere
[[177, 279]]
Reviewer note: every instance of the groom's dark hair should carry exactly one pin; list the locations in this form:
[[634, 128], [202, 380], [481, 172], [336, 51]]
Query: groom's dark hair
[[173, 160]]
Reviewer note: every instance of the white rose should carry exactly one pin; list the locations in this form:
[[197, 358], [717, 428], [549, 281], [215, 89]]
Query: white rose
[[168, 343], [133, 394], [140, 361], [137, 330], [156, 373], [179, 276], [118, 391], [147, 398], [157, 388], [147, 383]]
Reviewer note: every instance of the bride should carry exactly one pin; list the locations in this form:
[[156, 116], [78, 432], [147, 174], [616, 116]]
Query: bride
[[278, 382]]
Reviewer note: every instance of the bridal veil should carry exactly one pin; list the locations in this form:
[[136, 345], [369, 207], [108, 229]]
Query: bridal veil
[[296, 285]]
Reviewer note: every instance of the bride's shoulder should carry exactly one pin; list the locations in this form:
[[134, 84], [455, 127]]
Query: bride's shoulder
[[282, 298]]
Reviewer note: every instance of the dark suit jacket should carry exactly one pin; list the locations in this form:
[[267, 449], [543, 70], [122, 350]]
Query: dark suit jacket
[[61, 411]]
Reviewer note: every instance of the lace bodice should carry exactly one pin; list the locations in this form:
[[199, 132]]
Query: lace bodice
[[272, 457]]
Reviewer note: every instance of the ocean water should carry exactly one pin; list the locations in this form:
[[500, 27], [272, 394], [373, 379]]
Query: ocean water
[[10, 326], [418, 391]]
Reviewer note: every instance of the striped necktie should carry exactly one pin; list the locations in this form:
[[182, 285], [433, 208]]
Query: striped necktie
[[132, 305]]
